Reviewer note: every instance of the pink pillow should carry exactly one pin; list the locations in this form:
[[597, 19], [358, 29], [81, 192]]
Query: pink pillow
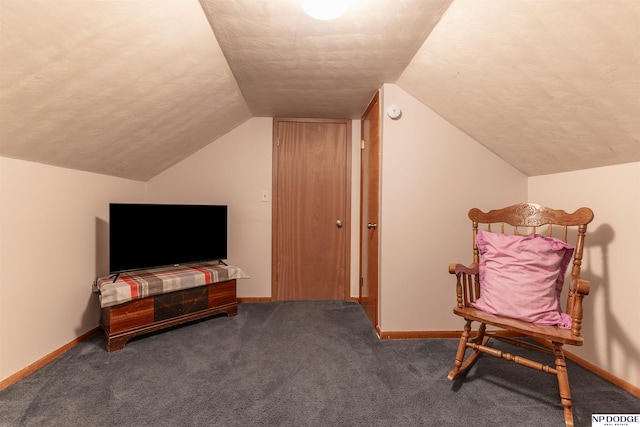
[[522, 277]]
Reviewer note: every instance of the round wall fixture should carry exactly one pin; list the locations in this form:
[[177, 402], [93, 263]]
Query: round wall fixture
[[394, 111]]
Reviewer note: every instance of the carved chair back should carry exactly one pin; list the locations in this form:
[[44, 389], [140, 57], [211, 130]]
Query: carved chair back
[[527, 218]]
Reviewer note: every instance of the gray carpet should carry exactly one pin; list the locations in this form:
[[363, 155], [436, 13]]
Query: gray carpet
[[293, 364]]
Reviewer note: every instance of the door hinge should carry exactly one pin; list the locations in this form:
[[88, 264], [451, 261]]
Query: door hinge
[[362, 145], [361, 281]]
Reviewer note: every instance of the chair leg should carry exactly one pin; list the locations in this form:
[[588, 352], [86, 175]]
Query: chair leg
[[462, 366], [563, 384]]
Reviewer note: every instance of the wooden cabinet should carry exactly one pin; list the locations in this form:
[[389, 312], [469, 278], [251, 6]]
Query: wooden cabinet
[[122, 322]]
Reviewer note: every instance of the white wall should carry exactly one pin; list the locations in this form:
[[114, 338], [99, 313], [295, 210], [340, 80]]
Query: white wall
[[432, 174], [233, 170], [610, 260], [53, 244]]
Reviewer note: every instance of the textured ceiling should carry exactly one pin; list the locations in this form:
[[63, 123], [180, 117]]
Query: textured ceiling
[[288, 64], [124, 88], [129, 88], [549, 86]]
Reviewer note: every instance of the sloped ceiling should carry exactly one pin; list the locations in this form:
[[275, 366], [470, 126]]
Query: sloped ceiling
[[549, 86], [123, 88], [290, 65], [129, 88]]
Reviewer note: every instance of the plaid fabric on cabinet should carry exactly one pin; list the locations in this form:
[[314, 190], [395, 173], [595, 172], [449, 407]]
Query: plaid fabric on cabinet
[[143, 283]]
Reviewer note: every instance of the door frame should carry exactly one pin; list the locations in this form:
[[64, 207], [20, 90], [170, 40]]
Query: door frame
[[274, 199], [374, 103]]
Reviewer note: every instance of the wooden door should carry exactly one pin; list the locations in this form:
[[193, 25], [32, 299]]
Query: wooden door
[[311, 209], [369, 209]]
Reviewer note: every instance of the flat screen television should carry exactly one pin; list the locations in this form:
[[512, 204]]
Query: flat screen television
[[153, 235]]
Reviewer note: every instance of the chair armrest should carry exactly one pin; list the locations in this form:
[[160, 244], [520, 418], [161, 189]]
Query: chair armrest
[[579, 289], [467, 285], [459, 268], [580, 286]]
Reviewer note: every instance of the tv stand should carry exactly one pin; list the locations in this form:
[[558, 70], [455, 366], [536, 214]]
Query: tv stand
[[124, 321]]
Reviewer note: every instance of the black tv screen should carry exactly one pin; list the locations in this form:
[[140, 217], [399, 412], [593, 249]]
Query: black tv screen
[[153, 235]]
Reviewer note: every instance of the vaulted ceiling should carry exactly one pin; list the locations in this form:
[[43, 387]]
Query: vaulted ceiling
[[129, 88]]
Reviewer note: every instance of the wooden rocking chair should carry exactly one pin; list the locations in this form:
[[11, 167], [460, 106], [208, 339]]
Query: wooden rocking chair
[[522, 221]]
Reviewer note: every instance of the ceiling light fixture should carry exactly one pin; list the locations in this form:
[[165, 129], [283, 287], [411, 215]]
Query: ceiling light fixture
[[326, 10]]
